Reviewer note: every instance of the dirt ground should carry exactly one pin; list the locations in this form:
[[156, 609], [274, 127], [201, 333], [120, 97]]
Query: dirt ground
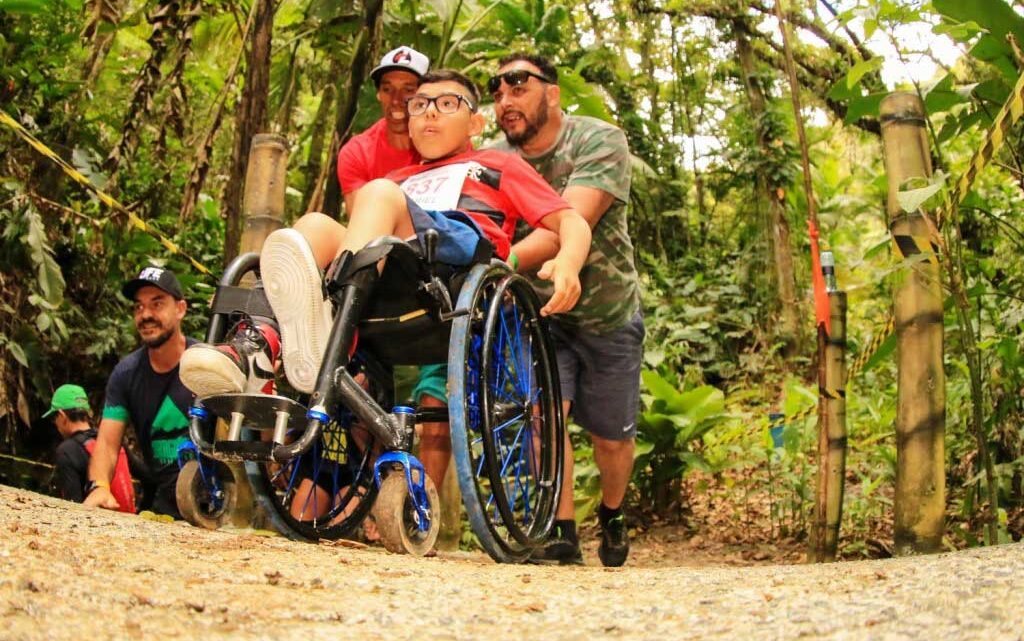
[[71, 573]]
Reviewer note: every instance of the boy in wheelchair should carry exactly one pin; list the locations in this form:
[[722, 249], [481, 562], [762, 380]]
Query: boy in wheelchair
[[471, 196], [471, 199]]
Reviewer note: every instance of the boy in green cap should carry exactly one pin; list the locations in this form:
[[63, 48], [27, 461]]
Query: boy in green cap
[[71, 412]]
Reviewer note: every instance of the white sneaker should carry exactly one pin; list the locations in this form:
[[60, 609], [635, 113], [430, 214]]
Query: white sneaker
[[294, 287], [245, 363]]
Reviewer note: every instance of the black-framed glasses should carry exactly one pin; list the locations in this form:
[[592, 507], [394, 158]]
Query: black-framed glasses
[[446, 103], [515, 78]]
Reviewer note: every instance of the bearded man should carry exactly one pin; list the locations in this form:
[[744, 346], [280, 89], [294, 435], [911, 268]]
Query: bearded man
[[144, 389], [599, 343]]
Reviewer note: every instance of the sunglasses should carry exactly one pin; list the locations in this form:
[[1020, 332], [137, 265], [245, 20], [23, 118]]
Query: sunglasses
[[515, 78]]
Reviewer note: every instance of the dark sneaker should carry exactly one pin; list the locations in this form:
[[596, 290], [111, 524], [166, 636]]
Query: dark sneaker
[[294, 287], [557, 552], [614, 546], [244, 364]]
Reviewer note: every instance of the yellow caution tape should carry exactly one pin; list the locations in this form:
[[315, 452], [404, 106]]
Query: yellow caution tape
[[994, 139], [907, 246], [105, 198]]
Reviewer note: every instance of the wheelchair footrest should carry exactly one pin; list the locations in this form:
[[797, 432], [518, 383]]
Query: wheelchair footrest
[[245, 450], [260, 411]]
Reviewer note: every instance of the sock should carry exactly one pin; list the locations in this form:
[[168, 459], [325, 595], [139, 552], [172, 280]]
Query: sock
[[567, 530], [605, 514]]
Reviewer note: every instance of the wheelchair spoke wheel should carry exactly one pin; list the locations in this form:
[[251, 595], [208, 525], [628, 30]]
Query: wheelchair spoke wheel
[[505, 414], [327, 492], [323, 494], [397, 519]]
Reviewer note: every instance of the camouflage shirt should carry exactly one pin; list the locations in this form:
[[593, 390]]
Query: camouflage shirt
[[592, 153]]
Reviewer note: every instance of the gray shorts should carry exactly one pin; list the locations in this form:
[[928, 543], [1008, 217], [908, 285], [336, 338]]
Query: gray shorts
[[600, 376]]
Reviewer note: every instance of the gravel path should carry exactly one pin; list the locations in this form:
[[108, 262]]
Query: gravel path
[[71, 573]]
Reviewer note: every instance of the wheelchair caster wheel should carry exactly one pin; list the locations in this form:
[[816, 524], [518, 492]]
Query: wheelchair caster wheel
[[206, 501], [397, 519]]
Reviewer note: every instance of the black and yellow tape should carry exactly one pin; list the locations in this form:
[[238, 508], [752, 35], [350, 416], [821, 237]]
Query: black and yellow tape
[[103, 197], [1010, 113], [876, 342], [907, 246]]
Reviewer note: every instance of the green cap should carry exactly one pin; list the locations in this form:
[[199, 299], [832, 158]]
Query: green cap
[[68, 397]]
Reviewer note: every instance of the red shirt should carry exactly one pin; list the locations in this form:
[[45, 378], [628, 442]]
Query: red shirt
[[368, 155], [499, 189]]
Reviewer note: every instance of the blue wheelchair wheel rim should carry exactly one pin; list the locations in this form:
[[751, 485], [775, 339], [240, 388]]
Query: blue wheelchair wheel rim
[[492, 456]]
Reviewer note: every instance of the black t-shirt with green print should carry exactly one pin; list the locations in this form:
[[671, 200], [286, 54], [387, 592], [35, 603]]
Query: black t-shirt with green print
[[157, 407]]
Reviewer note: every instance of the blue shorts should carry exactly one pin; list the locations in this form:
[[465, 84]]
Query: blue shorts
[[458, 235], [600, 376]]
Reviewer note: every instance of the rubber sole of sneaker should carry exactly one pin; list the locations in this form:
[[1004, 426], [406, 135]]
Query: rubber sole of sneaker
[[292, 282], [208, 371], [613, 558]]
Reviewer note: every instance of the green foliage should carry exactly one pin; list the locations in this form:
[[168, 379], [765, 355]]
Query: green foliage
[[669, 433]]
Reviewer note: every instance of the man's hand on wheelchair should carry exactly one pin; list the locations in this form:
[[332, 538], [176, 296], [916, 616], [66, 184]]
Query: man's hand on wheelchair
[[566, 279]]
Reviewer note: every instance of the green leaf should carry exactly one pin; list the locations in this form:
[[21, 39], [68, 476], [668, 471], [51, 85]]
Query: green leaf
[[515, 17], [701, 403], [17, 352], [861, 69], [996, 18], [863, 106], [658, 386], [642, 448], [549, 30], [879, 248], [48, 274], [581, 98], [962, 31], [31, 7], [912, 199], [445, 9], [942, 96]]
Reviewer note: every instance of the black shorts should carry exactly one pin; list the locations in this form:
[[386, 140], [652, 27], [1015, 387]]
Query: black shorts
[[600, 376]]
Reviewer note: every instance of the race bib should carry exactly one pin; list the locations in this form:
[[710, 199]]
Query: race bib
[[438, 189]]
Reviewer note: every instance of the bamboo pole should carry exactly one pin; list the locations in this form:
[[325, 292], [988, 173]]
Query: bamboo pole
[[263, 213], [265, 182], [919, 503], [832, 433]]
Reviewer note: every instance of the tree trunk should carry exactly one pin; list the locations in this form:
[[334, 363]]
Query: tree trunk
[[785, 280], [320, 135], [204, 148], [365, 42], [250, 119]]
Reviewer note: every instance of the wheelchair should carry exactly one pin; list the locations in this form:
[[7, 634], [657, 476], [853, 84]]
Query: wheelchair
[[319, 463]]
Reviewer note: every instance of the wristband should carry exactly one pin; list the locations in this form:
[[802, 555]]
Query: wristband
[[96, 484], [513, 261]]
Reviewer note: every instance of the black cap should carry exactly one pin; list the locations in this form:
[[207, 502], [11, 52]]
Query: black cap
[[156, 277]]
